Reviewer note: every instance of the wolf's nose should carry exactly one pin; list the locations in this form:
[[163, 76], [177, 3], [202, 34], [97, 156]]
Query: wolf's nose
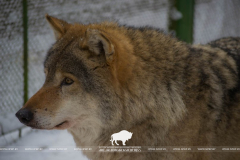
[[24, 115]]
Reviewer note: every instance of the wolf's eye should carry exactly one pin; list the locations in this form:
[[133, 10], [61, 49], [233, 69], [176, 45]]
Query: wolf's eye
[[67, 81]]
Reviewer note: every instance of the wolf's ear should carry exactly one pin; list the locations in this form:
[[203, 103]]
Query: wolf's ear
[[59, 26], [98, 43]]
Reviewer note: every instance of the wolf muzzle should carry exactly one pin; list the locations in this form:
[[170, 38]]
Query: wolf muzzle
[[24, 115]]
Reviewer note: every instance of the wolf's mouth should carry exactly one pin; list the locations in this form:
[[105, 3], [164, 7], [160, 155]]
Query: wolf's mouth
[[64, 125], [61, 124]]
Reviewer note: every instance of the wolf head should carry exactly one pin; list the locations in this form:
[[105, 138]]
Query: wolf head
[[83, 73]]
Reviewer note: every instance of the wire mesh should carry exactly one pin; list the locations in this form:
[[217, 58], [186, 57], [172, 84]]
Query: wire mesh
[[214, 19], [11, 71]]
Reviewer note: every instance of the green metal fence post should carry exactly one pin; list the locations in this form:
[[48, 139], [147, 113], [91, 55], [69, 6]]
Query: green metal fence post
[[183, 26], [25, 50], [25, 53]]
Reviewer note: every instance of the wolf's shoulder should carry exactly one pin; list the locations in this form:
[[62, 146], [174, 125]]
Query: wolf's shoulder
[[231, 45], [143, 28]]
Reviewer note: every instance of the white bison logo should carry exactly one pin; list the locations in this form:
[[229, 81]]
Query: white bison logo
[[121, 136]]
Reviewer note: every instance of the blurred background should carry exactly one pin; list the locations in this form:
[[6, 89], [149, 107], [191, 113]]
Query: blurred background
[[25, 38]]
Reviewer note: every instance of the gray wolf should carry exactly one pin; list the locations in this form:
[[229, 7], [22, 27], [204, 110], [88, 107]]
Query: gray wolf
[[103, 78], [121, 136]]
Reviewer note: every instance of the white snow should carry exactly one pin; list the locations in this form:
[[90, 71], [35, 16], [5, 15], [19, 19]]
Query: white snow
[[9, 122], [44, 139]]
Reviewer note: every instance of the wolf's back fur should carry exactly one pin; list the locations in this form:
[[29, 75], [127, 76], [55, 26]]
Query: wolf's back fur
[[166, 92]]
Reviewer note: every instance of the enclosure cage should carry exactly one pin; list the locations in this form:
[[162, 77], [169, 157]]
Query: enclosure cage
[[25, 37]]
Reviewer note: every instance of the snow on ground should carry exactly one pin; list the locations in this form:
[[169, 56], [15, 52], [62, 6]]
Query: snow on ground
[[9, 122], [44, 139]]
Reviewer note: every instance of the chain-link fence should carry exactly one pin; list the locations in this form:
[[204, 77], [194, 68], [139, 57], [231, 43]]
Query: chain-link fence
[[212, 19], [11, 64]]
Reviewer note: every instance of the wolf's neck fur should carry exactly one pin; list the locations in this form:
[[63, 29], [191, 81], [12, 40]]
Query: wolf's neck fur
[[150, 96], [155, 88]]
